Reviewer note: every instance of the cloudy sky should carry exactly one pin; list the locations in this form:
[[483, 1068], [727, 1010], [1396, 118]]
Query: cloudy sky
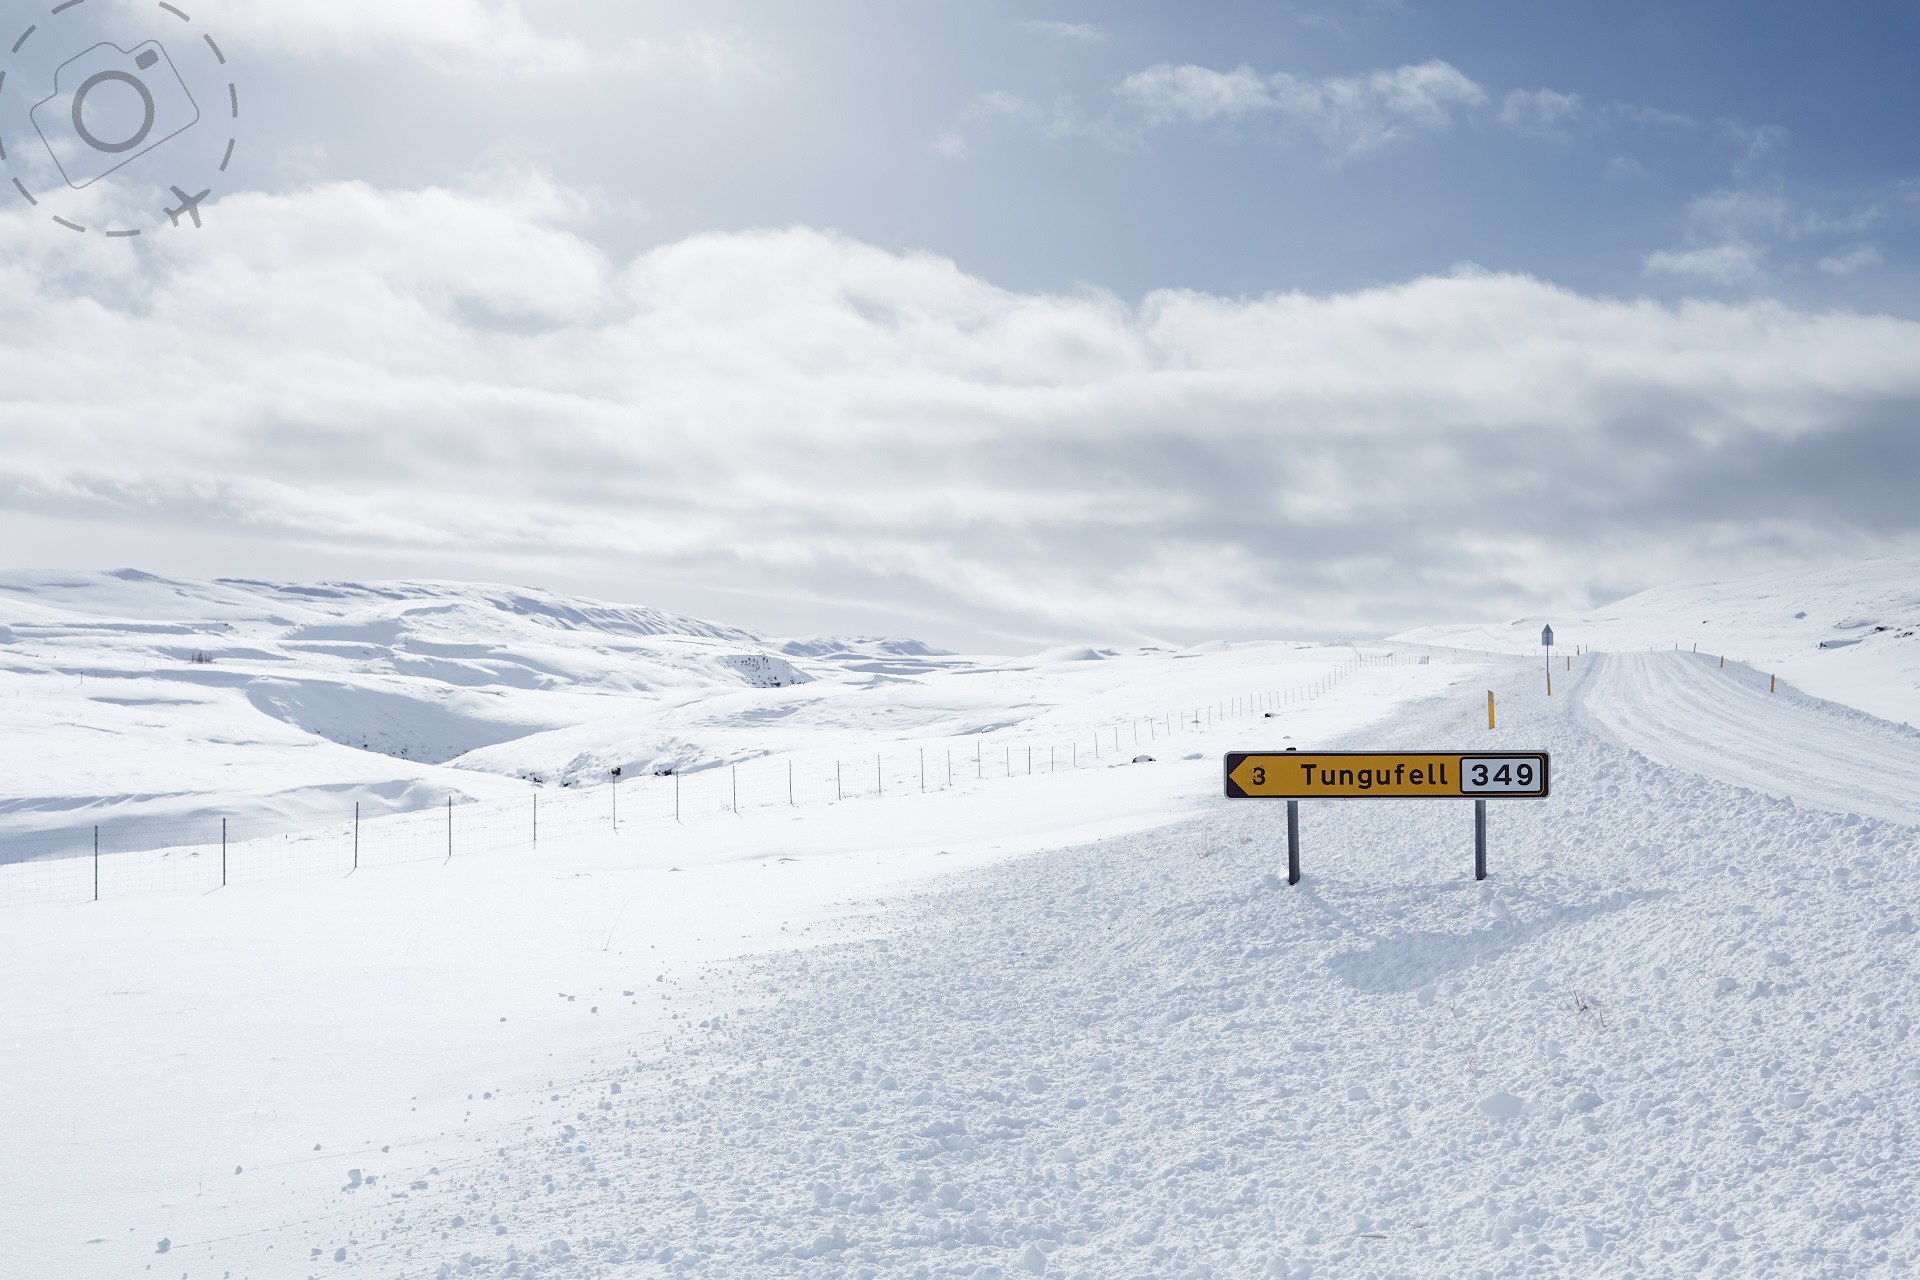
[[994, 323]]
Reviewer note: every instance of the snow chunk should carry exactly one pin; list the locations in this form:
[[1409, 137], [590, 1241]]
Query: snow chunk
[[1501, 1106]]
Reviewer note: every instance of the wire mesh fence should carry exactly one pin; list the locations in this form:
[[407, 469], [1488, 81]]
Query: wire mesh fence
[[119, 859]]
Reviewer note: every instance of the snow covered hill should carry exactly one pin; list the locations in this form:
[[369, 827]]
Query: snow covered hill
[[148, 698], [1849, 634]]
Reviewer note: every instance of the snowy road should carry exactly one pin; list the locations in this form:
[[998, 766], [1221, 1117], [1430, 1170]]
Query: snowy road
[[1687, 711]]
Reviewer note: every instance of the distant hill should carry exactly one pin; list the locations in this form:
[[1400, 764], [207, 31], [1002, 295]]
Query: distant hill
[[131, 694]]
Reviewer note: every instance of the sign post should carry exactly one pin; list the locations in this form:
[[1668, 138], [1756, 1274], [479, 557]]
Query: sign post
[[1293, 775], [1546, 639], [1479, 839], [1293, 842]]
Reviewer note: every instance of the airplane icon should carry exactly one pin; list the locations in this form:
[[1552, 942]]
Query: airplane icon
[[188, 205]]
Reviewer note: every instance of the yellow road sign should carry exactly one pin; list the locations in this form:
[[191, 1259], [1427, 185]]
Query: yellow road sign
[[1385, 775]]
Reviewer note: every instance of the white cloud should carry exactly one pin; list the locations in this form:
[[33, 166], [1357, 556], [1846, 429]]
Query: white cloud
[[1735, 212], [491, 38], [1057, 119], [1729, 231], [1082, 32], [460, 375], [1850, 261], [1731, 263], [1348, 113], [1539, 111]]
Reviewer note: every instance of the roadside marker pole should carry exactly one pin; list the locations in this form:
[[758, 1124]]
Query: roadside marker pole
[[356, 829], [96, 863], [449, 828], [223, 853], [1489, 708]]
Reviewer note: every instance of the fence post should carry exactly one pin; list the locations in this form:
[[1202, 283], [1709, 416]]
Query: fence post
[[789, 784], [839, 792], [735, 769], [879, 777], [923, 771]]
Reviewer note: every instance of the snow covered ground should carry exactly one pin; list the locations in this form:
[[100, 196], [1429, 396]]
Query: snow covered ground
[[1846, 634], [1069, 1023], [159, 707]]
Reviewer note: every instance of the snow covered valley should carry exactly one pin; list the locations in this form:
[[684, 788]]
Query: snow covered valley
[[1070, 1022]]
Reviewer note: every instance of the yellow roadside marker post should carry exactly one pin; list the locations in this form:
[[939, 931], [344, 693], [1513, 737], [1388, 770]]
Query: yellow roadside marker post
[[1489, 708]]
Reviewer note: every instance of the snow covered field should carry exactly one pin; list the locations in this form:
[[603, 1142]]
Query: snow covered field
[[1066, 1023]]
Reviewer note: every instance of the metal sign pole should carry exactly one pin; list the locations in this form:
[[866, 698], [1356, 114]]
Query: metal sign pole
[[1293, 842], [1479, 839]]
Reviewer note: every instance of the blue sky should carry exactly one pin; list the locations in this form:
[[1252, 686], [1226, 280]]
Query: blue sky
[[1004, 136], [994, 323]]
